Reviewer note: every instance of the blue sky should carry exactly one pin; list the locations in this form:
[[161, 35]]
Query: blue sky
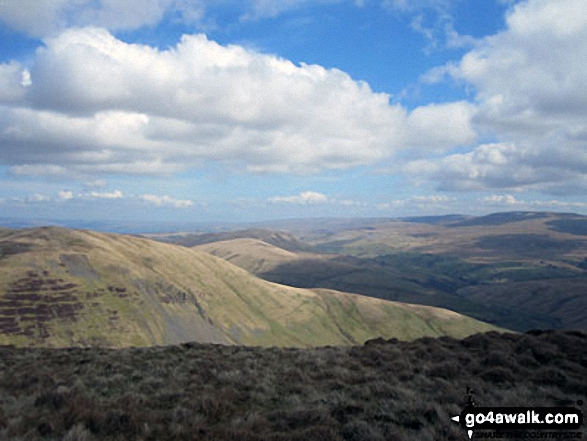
[[200, 110]]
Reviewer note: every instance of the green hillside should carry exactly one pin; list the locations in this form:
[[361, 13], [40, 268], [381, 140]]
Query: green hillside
[[520, 270], [62, 287]]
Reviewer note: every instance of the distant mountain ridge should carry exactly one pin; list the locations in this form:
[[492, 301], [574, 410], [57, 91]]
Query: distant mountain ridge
[[519, 270], [279, 239]]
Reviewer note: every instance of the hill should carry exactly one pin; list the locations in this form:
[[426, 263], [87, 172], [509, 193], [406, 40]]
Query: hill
[[383, 390], [516, 270], [62, 287], [251, 254], [279, 239]]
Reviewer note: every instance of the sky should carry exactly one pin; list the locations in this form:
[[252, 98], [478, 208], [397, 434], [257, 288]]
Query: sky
[[251, 110]]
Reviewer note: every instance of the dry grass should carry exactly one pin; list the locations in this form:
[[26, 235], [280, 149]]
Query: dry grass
[[383, 390]]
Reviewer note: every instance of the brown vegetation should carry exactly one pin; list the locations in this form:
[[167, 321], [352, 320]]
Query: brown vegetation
[[383, 390], [31, 301]]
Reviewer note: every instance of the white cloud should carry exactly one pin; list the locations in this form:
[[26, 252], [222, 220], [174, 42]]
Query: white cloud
[[505, 199], [166, 201], [97, 105], [38, 198], [36, 17], [435, 199], [304, 198], [438, 201], [441, 126], [65, 195], [116, 194], [433, 19], [350, 203], [41, 18], [11, 82], [529, 82], [508, 200]]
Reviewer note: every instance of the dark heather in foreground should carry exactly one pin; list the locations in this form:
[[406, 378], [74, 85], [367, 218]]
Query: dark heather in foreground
[[383, 390]]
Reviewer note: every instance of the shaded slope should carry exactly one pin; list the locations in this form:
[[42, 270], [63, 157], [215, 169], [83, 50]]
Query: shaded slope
[[520, 295], [562, 301], [62, 287]]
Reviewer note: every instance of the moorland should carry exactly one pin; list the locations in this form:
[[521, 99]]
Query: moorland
[[373, 329], [64, 288], [383, 390], [518, 270]]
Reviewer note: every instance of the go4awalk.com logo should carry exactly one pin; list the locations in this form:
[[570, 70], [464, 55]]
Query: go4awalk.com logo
[[519, 419]]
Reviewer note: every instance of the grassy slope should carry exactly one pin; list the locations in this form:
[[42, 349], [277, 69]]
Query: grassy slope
[[517, 270], [61, 287], [278, 239], [253, 255]]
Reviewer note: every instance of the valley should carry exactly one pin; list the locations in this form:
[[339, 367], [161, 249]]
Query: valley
[[373, 329], [516, 270]]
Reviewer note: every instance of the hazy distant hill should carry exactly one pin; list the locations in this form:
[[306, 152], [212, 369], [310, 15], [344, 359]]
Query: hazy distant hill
[[498, 219], [62, 287], [517, 270], [278, 239]]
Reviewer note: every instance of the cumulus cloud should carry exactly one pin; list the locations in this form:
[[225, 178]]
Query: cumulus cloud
[[98, 105], [530, 96], [438, 127], [304, 198], [167, 201]]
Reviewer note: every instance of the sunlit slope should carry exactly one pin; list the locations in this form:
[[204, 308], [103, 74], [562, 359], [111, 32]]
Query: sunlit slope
[[253, 255], [61, 287]]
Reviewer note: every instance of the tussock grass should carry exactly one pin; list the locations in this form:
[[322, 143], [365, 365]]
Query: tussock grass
[[383, 390]]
